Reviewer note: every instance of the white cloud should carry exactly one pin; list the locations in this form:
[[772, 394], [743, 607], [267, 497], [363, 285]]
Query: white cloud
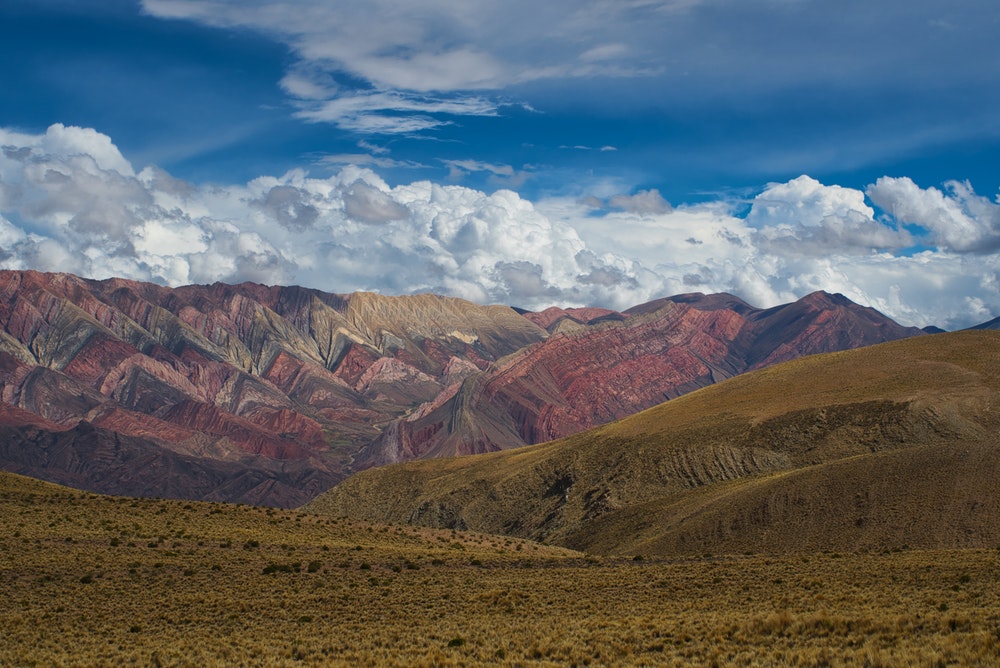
[[85, 144], [805, 216], [419, 61], [65, 209], [391, 112], [802, 236], [460, 167], [959, 220], [454, 54]]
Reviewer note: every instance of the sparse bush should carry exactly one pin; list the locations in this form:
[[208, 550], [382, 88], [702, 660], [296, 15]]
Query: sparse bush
[[281, 568]]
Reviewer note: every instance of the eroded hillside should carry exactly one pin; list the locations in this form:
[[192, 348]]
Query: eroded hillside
[[269, 395], [874, 448]]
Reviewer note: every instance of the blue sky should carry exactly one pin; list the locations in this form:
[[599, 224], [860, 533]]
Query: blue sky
[[528, 153]]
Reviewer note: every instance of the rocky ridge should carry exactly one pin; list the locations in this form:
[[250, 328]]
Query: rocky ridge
[[291, 389], [613, 365]]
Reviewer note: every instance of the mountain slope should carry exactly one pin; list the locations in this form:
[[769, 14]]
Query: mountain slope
[[989, 324], [268, 394], [590, 375], [870, 448], [272, 383]]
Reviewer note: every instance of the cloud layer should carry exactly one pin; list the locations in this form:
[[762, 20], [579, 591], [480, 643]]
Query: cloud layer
[[70, 201], [382, 66]]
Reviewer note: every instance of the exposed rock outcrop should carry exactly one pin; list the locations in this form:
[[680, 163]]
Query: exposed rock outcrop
[[617, 366], [278, 379]]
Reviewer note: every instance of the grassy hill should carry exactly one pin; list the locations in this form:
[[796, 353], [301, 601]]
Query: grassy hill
[[89, 580], [875, 448]]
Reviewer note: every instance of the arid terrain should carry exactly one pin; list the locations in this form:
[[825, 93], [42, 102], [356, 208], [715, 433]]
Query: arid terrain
[[834, 509], [874, 448], [269, 395], [88, 580]]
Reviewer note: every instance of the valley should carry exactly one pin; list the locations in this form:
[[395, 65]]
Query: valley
[[780, 508]]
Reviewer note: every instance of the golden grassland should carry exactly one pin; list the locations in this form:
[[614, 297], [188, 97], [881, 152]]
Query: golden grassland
[[87, 580]]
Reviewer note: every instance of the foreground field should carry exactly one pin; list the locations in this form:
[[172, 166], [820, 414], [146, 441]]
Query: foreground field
[[90, 580]]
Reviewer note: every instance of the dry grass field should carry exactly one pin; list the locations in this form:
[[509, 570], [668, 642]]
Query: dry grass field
[[87, 580]]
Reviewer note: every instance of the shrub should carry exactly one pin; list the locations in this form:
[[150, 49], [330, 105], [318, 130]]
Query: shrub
[[281, 568]]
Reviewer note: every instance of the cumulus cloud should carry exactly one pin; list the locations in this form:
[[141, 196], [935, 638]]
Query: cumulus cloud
[[959, 220], [70, 201], [366, 203], [67, 210], [803, 236], [804, 216]]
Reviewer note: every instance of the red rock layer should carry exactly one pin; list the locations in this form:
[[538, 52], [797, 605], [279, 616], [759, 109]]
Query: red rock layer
[[293, 386], [248, 374], [593, 375]]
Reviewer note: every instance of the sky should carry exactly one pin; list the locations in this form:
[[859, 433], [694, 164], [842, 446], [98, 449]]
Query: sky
[[584, 152]]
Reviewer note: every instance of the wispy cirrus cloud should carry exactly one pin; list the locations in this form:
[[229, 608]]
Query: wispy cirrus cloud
[[384, 68], [436, 47]]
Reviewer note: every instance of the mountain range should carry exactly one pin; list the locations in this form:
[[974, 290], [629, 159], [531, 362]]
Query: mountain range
[[886, 447], [270, 395]]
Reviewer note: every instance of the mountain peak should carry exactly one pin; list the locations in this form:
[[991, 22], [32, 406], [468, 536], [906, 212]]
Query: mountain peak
[[301, 387]]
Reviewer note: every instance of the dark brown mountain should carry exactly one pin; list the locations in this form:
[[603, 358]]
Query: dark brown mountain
[[989, 324], [269, 394]]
